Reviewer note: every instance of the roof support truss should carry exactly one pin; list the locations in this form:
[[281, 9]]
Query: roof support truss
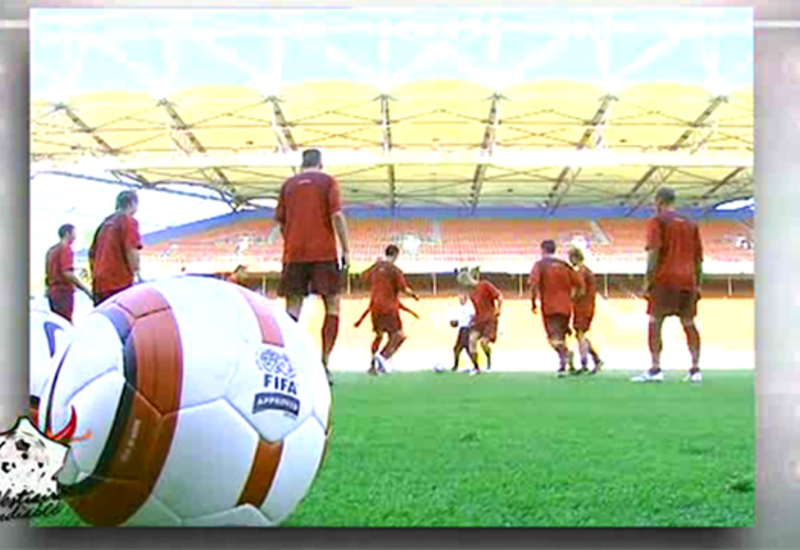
[[487, 148], [592, 138], [699, 126], [213, 175], [386, 127]]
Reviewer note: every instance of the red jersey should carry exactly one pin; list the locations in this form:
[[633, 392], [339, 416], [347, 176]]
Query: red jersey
[[584, 304], [110, 269], [306, 204], [386, 282], [484, 298], [680, 250], [555, 280], [59, 259]]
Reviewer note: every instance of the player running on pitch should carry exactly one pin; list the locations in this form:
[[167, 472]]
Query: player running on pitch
[[583, 312], [672, 283], [387, 282], [310, 216], [488, 304], [556, 284]]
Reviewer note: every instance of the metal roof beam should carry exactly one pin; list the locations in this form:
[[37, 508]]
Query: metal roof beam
[[664, 171], [487, 149], [386, 127], [213, 174], [592, 137], [281, 126], [502, 158]]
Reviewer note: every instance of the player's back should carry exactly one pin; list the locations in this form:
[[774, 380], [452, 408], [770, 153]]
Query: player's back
[[556, 280], [385, 280], [53, 260], [587, 299], [677, 240], [108, 250], [307, 202], [483, 298]]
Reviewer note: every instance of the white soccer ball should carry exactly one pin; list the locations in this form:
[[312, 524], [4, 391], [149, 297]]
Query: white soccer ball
[[50, 335], [194, 403]]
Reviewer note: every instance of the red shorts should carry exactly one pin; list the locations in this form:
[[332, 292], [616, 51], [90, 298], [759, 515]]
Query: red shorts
[[62, 302], [665, 301], [486, 328], [582, 320], [556, 326], [304, 278], [386, 321]]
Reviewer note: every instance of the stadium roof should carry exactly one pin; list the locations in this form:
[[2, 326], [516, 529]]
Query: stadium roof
[[471, 108]]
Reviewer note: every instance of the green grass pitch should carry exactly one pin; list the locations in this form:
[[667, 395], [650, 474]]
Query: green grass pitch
[[527, 449]]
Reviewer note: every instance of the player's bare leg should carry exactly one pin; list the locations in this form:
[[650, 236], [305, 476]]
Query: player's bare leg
[[330, 330], [294, 306], [376, 345], [472, 350], [693, 342], [564, 355], [655, 344], [585, 350], [487, 349], [396, 340]]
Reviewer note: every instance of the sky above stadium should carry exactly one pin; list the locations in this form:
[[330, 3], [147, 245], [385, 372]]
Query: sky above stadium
[[160, 51]]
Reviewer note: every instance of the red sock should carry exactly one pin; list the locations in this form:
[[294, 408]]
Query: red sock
[[330, 330]]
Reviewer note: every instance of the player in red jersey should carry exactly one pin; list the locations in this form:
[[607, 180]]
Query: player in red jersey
[[672, 283], [555, 282], [387, 282], [583, 312], [114, 254], [488, 302], [60, 279], [310, 216]]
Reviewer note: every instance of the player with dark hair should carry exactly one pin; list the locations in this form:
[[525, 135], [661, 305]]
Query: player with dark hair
[[60, 278], [558, 285], [672, 283], [387, 282], [114, 253], [488, 302], [583, 312], [310, 216]]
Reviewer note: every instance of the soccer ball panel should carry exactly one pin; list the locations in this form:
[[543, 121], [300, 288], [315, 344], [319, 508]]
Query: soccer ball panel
[[95, 411], [49, 337], [241, 516], [214, 322], [154, 514], [209, 461], [302, 455]]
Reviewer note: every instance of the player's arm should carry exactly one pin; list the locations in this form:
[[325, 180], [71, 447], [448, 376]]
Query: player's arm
[[412, 312], [654, 241], [534, 282], [133, 243], [280, 212], [363, 316], [339, 221], [70, 276], [498, 302], [578, 285], [405, 288], [698, 257]]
